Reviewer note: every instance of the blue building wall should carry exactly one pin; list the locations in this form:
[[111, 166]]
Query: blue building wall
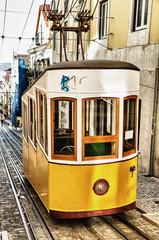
[[21, 86]]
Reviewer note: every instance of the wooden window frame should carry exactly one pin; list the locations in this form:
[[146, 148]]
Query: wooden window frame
[[40, 127], [45, 125], [31, 123], [37, 115], [133, 151], [64, 157], [34, 126], [98, 139], [24, 120]]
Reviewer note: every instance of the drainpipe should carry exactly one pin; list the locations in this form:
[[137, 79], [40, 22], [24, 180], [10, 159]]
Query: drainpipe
[[88, 33], [153, 132]]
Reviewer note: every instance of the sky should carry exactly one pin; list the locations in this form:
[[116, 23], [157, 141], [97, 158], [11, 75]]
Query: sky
[[18, 19]]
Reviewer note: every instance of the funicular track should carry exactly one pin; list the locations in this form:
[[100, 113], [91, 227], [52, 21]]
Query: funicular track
[[24, 200], [14, 142], [106, 227]]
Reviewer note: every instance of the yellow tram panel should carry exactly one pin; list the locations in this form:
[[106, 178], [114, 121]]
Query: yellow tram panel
[[25, 158], [42, 176], [32, 165], [71, 186]]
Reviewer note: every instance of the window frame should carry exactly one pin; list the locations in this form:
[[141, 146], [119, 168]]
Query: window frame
[[31, 119], [64, 157], [41, 128], [37, 115], [98, 139], [134, 150], [25, 121], [45, 123], [136, 13], [102, 3], [32, 124]]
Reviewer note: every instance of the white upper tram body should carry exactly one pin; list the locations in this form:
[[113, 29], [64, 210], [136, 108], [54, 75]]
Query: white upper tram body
[[86, 83]]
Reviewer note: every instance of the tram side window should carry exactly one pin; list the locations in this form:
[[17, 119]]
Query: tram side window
[[34, 126], [100, 128], [25, 133], [37, 114], [41, 117], [130, 111], [100, 117], [46, 126], [64, 129], [43, 129], [31, 119]]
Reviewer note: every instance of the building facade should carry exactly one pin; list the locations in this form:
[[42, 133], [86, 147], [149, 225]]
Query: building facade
[[132, 35], [6, 94], [19, 85], [40, 50], [125, 30]]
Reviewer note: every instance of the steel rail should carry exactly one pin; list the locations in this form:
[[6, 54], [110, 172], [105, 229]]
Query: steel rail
[[13, 135], [13, 146], [30, 198], [13, 150], [29, 231]]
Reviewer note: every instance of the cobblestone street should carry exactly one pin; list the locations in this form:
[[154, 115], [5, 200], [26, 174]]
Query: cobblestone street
[[148, 198]]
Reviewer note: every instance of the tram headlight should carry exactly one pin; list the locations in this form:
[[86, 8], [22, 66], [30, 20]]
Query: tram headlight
[[101, 187]]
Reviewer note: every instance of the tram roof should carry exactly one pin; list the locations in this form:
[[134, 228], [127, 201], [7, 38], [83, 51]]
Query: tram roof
[[93, 64], [88, 64]]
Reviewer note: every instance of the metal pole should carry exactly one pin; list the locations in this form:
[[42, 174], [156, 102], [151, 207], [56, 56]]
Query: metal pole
[[77, 45], [153, 134], [80, 34], [64, 46], [60, 46]]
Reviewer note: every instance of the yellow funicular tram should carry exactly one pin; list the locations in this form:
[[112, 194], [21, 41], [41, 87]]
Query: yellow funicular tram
[[80, 137]]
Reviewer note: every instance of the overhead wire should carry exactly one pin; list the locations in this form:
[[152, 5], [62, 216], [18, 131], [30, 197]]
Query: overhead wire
[[4, 23], [58, 5], [57, 39], [95, 8], [25, 25], [73, 3], [83, 4], [72, 6], [11, 11], [12, 37], [65, 6], [72, 39]]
